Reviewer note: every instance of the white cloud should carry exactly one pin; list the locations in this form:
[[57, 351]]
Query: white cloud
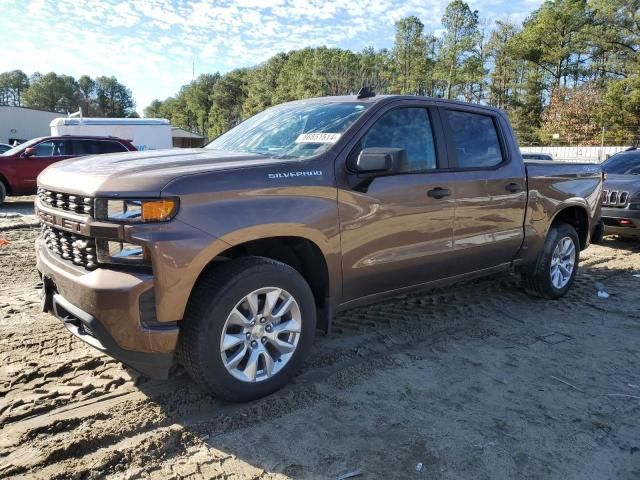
[[150, 44]]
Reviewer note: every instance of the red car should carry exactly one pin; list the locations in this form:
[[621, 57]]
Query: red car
[[20, 166]]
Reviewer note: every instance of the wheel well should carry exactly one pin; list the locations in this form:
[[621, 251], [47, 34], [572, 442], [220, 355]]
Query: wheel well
[[578, 218], [299, 253]]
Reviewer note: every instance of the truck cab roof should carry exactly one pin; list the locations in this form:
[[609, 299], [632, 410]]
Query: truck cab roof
[[384, 99]]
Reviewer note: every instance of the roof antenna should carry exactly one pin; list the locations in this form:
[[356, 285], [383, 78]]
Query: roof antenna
[[366, 92]]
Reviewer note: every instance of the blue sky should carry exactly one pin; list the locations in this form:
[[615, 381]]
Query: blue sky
[[150, 45]]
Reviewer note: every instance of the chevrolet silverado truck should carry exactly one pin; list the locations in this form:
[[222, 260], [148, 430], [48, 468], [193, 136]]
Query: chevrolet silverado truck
[[226, 259], [621, 197]]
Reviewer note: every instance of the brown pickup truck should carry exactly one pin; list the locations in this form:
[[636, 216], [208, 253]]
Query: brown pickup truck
[[226, 259]]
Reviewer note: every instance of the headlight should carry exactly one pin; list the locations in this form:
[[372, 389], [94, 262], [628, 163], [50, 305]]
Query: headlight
[[136, 210], [122, 253]]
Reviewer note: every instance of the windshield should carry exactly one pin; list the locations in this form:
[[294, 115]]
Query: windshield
[[623, 163], [298, 130], [18, 148]]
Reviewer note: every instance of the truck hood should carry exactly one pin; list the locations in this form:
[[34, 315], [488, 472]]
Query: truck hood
[[140, 173], [630, 183]]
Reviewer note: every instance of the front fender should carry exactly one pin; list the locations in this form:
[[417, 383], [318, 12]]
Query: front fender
[[305, 207]]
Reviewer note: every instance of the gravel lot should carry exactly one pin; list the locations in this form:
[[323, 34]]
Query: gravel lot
[[480, 381]]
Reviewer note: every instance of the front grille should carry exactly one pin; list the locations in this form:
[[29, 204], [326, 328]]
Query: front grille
[[75, 248], [615, 198], [66, 201]]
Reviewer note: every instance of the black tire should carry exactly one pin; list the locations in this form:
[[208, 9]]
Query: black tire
[[538, 278], [598, 233], [3, 192], [211, 302]]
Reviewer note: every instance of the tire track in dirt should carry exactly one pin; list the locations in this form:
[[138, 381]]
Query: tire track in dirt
[[383, 320], [87, 415], [350, 354], [339, 360]]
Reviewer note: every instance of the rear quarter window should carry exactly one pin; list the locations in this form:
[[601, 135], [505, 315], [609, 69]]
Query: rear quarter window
[[475, 139], [111, 147]]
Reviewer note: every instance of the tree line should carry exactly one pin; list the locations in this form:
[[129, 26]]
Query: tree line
[[570, 69], [567, 75], [98, 97]]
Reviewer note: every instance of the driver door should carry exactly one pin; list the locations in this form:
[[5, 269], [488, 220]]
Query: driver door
[[396, 233], [45, 153]]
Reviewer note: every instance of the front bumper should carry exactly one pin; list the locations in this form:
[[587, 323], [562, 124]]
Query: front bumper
[[87, 328], [105, 308], [621, 221]]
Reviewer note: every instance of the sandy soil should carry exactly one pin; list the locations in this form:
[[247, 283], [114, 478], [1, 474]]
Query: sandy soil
[[480, 381]]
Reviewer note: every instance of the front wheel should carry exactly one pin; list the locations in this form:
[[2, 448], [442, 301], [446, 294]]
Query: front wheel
[[3, 192], [247, 328], [557, 264]]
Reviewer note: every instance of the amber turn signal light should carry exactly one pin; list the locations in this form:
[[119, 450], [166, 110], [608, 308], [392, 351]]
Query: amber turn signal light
[[158, 210]]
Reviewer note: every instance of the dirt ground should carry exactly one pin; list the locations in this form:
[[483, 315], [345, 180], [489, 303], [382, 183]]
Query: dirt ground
[[480, 381]]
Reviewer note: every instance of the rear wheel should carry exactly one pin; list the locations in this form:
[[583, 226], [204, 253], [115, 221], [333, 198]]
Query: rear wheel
[[3, 192], [247, 328], [557, 264]]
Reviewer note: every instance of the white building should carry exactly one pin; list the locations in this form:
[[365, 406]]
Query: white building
[[21, 124], [185, 139]]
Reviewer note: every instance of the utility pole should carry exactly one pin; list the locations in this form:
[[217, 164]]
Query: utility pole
[[601, 155]]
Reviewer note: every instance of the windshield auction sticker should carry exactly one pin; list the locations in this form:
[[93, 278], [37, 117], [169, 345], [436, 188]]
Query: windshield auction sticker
[[318, 138]]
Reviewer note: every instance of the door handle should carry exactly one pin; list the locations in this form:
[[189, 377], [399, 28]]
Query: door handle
[[513, 187], [439, 192]]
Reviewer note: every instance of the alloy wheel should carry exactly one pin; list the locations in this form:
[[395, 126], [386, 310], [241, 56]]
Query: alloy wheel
[[563, 262], [261, 334]]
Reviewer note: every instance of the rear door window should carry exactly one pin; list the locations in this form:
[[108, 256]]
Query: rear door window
[[96, 147], [475, 139], [85, 147]]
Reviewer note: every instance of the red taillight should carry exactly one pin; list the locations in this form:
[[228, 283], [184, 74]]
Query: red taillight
[[624, 221]]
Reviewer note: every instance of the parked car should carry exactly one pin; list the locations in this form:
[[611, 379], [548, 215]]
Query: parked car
[[21, 165], [621, 196], [231, 255], [4, 147], [537, 156]]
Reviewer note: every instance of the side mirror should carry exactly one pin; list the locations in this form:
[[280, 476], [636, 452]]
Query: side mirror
[[380, 161], [29, 151], [376, 162]]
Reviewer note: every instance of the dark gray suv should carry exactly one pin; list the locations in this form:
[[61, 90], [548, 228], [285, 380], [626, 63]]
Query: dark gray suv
[[621, 195]]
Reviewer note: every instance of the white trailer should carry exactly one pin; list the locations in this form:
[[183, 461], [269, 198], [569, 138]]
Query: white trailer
[[144, 133]]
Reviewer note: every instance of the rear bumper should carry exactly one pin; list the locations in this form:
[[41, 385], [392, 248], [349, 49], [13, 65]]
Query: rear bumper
[[106, 308], [621, 221]]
